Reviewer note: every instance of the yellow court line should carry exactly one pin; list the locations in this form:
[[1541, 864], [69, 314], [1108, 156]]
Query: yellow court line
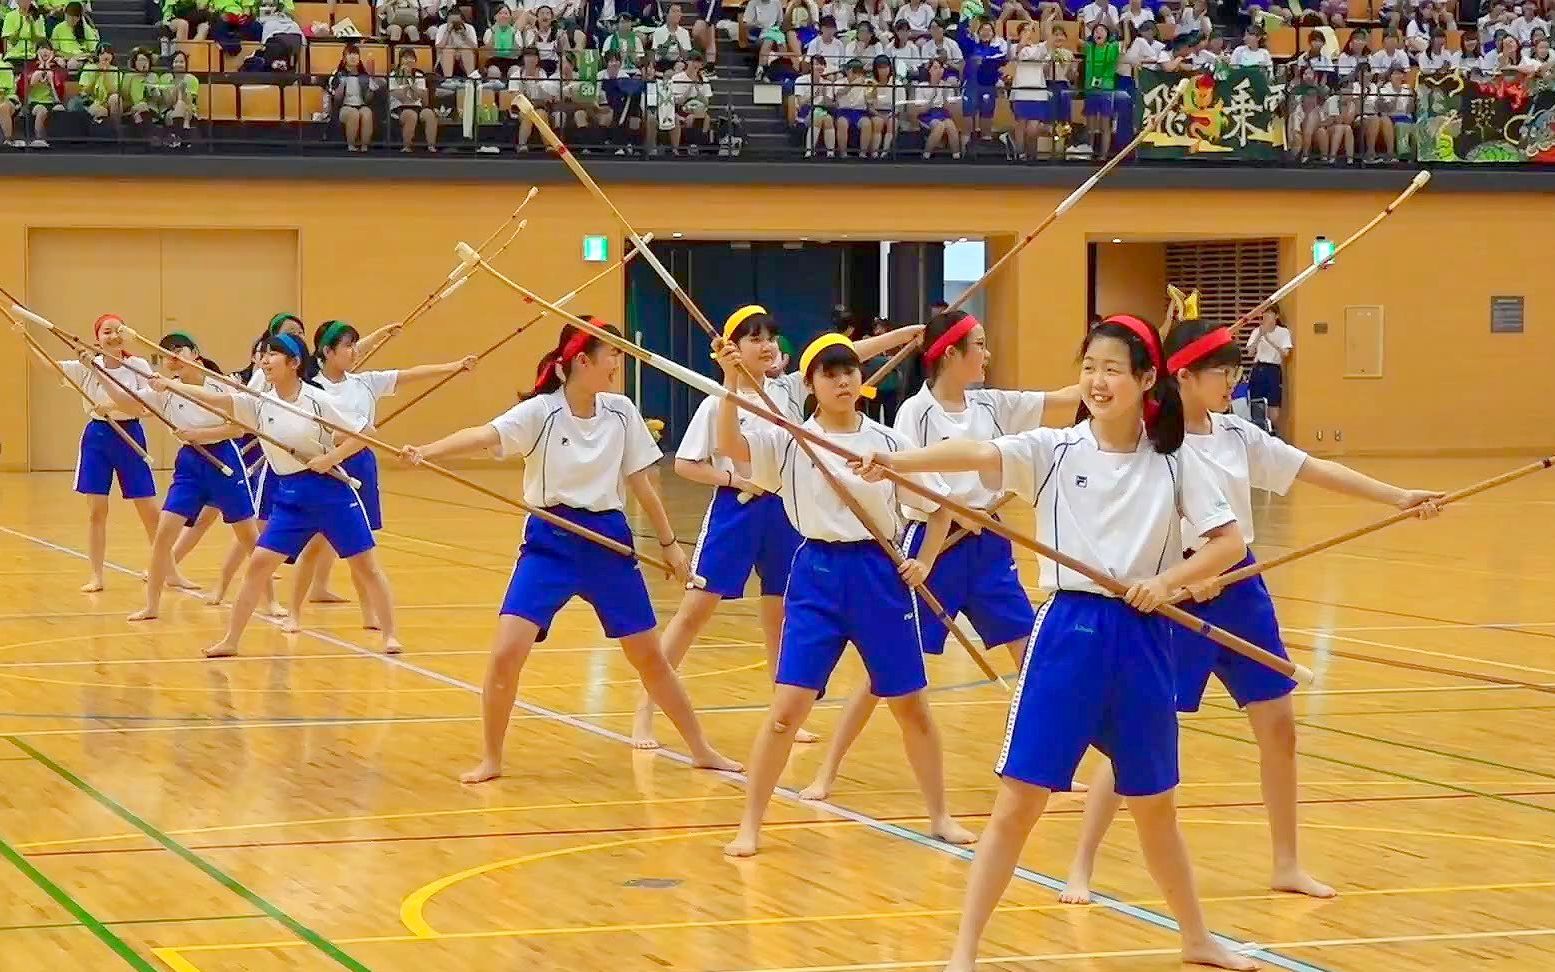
[[781, 920], [175, 961]]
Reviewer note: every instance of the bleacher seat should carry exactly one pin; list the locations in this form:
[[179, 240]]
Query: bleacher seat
[[360, 14], [199, 54], [324, 57]]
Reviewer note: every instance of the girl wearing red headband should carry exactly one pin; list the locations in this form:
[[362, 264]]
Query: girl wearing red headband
[[1240, 456], [105, 457], [581, 443], [745, 529], [1116, 491], [976, 576], [842, 588], [337, 346]]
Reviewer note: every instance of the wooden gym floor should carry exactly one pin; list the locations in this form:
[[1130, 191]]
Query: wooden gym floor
[[296, 808]]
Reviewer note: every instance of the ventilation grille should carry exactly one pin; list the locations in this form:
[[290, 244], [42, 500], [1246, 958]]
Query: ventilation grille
[[1231, 276]]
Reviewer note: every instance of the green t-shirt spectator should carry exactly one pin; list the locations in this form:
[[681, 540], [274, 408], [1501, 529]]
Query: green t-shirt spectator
[[167, 86], [7, 82], [175, 9], [22, 35], [41, 91], [52, 8], [139, 88], [241, 8], [67, 46], [98, 84], [505, 41], [630, 47], [1101, 66]]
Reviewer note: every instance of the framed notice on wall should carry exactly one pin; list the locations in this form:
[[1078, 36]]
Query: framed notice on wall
[[1506, 315], [1363, 341]]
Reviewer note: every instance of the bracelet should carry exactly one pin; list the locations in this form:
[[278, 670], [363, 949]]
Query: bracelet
[[672, 542]]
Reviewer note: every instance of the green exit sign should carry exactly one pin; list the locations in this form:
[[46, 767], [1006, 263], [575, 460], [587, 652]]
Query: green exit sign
[[596, 249]]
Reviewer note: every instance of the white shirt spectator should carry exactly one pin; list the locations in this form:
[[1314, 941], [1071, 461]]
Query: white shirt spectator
[[1346, 66], [1093, 11], [1270, 347], [1447, 60], [1245, 56], [762, 14], [928, 50], [815, 94], [1141, 54], [934, 96], [277, 23], [548, 44], [851, 97], [462, 38], [1531, 65], [540, 88], [888, 98], [696, 91], [1031, 66], [918, 16], [1389, 99], [1413, 31], [834, 50], [664, 37], [1134, 18], [882, 19], [1523, 28], [864, 52], [1207, 60], [1382, 62], [1190, 22], [840, 11]]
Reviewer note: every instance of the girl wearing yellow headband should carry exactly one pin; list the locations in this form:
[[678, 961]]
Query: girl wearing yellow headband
[[745, 528], [842, 588]]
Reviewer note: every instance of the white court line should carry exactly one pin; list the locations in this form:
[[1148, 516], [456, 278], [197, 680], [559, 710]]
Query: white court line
[[1450, 625], [1136, 912], [1424, 651]]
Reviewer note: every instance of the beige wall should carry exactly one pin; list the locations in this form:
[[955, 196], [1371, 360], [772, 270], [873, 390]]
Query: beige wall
[[1130, 279], [370, 252]]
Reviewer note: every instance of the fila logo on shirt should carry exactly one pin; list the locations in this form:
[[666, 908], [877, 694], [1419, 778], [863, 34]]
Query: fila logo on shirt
[[1081, 481], [565, 440]]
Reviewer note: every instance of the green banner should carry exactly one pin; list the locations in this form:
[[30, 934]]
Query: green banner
[[1234, 113], [1485, 120]]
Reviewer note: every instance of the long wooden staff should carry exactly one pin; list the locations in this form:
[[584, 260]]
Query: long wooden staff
[[1253, 570], [64, 376], [707, 386], [257, 433], [468, 257], [561, 301], [1068, 203], [396, 451], [84, 349], [456, 279]]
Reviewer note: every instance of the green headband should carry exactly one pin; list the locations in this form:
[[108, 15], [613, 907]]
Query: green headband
[[180, 334], [331, 331], [279, 319]]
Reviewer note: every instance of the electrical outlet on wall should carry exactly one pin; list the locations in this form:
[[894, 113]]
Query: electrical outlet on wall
[[1320, 435], [1338, 435], [1319, 327]]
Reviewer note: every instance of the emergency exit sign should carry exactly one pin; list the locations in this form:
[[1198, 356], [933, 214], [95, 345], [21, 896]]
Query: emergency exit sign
[[596, 249]]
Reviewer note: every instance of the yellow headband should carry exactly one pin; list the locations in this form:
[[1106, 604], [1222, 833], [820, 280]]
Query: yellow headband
[[739, 317], [821, 344]]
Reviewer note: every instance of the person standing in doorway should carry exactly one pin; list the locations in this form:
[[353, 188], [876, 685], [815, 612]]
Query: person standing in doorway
[[1270, 345]]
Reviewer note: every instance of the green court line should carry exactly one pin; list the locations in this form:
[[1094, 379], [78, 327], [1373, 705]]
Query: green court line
[[226, 880], [46, 925], [82, 916]]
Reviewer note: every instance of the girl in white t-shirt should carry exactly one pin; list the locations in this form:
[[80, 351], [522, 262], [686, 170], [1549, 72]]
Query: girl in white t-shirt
[[1240, 457], [583, 447], [931, 105], [1031, 102], [886, 99], [543, 91]]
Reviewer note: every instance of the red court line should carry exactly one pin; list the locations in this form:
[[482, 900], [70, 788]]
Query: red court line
[[731, 825]]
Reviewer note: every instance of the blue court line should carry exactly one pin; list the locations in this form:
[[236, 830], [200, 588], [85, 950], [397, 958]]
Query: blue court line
[[1146, 915]]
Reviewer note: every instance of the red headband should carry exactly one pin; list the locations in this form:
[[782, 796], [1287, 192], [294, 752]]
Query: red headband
[[97, 325], [570, 350], [1152, 340], [1198, 349], [952, 335]]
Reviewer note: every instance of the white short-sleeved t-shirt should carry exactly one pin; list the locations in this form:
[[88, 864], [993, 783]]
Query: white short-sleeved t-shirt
[[989, 414], [268, 413], [358, 392], [1268, 346], [699, 444], [184, 414], [1125, 513], [1241, 457], [577, 462], [779, 466], [131, 373]]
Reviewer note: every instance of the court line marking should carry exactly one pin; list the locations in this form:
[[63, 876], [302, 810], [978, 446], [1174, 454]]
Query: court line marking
[[1422, 651], [232, 884], [83, 917], [1023, 873], [188, 920]]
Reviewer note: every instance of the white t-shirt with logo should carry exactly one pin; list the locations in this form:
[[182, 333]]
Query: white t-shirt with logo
[[1242, 457], [269, 414], [131, 373], [358, 392], [989, 414], [572, 461]]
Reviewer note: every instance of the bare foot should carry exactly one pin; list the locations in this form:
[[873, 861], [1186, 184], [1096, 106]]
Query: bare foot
[[213, 598], [489, 769], [743, 845], [819, 789], [371, 624], [956, 965], [802, 736], [92, 586], [179, 582], [221, 649], [1297, 881], [642, 727], [1077, 890], [392, 646], [273, 610], [325, 597], [1215, 954], [644, 743], [714, 760], [952, 832], [150, 614], [291, 626]]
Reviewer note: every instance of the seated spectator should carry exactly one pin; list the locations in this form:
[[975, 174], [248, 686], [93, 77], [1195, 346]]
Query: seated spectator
[[903, 51], [1391, 56], [139, 93], [503, 43], [879, 14], [233, 22], [75, 40], [1262, 14], [671, 42], [1419, 28], [97, 90], [1099, 12], [919, 14], [277, 56], [1252, 53], [799, 29], [1505, 58], [1396, 106], [44, 80], [1333, 129], [351, 91], [409, 100], [1355, 56], [534, 83], [810, 107], [185, 20], [1133, 17], [828, 45], [456, 43], [22, 32], [1524, 25], [753, 28], [9, 103], [545, 36], [180, 94], [887, 99], [937, 45], [1195, 19], [931, 110], [1101, 81], [278, 28], [627, 44], [1436, 59], [619, 109], [1313, 59], [1212, 56], [851, 107], [863, 47], [1498, 19], [401, 20], [693, 100]]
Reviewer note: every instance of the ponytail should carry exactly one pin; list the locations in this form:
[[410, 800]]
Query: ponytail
[[570, 344], [1164, 418], [950, 329]]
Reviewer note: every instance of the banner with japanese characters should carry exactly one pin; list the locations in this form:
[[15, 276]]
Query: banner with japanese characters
[[1485, 120], [1233, 113]]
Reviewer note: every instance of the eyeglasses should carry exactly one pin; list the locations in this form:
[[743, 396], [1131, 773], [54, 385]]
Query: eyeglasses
[[1233, 374]]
